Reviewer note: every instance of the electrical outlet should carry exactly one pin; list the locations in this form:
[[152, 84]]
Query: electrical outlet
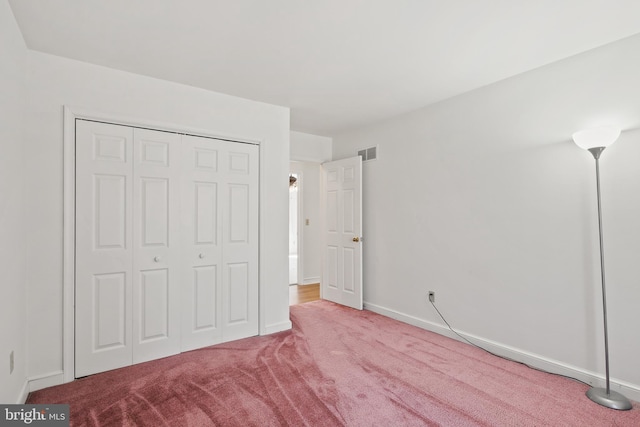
[[432, 296], [11, 363]]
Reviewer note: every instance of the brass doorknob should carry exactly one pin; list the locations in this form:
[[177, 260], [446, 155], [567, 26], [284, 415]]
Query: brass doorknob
[[356, 239]]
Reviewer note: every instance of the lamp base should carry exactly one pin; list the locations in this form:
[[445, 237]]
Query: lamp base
[[613, 399]]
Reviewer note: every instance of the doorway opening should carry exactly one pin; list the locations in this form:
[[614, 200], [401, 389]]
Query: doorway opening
[[294, 206]]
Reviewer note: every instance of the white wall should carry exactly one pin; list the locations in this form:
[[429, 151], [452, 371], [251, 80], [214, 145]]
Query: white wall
[[307, 153], [306, 147], [13, 54], [53, 82], [485, 200]]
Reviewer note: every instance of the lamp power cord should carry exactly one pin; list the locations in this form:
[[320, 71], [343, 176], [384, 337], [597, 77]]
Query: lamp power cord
[[500, 356]]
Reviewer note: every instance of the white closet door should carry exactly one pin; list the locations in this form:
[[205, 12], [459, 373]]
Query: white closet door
[[201, 242], [166, 244], [104, 156], [157, 263], [239, 199]]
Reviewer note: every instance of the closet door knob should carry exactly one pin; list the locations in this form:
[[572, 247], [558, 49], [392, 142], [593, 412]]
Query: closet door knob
[[156, 259], [201, 256]]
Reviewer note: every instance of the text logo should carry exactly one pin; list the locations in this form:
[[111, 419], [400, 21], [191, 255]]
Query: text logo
[[34, 415]]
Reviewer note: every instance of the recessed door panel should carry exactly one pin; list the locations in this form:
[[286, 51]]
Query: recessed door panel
[[332, 212], [205, 159], [348, 269], [109, 307], [238, 275], [155, 211], [206, 213], [332, 267], [205, 287], [349, 174], [348, 214], [239, 162], [154, 152], [154, 304], [109, 148], [110, 197], [238, 213]]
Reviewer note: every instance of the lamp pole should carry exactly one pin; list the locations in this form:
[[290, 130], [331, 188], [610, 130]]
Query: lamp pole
[[604, 396]]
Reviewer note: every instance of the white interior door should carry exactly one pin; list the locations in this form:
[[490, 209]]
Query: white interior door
[[104, 249], [202, 242], [157, 259], [342, 253], [239, 195]]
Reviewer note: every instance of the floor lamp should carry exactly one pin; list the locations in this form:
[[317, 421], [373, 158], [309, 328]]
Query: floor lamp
[[595, 141]]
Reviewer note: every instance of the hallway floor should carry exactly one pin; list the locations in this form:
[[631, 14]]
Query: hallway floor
[[299, 294]]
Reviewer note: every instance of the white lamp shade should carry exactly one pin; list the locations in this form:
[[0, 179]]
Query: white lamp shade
[[597, 137]]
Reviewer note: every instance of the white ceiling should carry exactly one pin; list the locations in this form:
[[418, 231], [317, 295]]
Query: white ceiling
[[338, 64]]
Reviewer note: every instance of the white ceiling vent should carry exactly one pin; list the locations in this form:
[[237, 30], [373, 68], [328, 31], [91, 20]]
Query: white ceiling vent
[[367, 154]]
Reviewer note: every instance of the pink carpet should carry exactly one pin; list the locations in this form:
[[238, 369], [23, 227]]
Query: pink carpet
[[337, 367]]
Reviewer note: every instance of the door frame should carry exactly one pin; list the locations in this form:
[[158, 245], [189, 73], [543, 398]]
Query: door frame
[[70, 114]]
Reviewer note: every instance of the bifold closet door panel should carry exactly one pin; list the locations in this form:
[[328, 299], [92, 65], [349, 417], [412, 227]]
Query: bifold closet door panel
[[239, 197], [201, 242], [103, 233], [157, 258]]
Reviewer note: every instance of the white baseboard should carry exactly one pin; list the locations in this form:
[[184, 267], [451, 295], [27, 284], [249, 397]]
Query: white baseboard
[[277, 327], [47, 380], [631, 391], [310, 280], [24, 393]]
